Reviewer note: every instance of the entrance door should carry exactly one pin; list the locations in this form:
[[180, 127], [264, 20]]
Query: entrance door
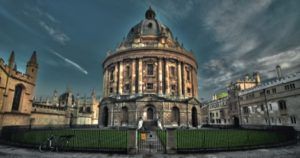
[[150, 113], [105, 117]]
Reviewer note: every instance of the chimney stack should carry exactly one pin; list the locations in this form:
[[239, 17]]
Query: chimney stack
[[279, 73]]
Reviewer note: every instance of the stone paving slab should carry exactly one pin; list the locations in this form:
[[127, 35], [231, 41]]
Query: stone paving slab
[[282, 152]]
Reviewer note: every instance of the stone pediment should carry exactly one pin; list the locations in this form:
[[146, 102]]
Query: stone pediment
[[194, 101], [149, 98]]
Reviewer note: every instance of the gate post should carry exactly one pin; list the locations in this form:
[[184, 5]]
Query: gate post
[[171, 144], [132, 142]]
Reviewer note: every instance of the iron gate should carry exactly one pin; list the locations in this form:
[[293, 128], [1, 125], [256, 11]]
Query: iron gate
[[151, 141]]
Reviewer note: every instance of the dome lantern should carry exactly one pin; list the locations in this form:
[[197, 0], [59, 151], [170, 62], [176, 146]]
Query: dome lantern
[[150, 14]]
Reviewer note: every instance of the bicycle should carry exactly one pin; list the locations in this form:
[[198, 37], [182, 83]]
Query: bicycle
[[55, 143]]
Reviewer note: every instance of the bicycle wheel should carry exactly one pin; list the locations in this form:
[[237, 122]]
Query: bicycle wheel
[[43, 147]]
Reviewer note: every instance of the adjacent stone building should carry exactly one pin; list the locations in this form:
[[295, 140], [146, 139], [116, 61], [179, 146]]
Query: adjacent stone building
[[16, 91], [276, 102], [150, 76], [65, 109]]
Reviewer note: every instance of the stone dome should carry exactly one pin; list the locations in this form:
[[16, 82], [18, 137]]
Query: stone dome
[[149, 32]]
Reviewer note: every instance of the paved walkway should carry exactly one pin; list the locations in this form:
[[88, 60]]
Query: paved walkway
[[283, 152]]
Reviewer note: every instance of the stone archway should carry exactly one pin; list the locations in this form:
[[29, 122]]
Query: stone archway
[[105, 116], [194, 117]]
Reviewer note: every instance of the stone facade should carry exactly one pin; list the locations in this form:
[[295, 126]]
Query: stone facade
[[150, 76], [272, 103], [65, 109], [19, 108], [16, 91]]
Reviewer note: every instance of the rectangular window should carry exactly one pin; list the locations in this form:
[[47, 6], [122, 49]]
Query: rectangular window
[[149, 86], [111, 76], [262, 107], [268, 91], [188, 90], [188, 75], [111, 90], [173, 87], [292, 86], [127, 72], [287, 87], [274, 90], [127, 87], [261, 93], [293, 120], [246, 110], [270, 105], [172, 71], [150, 69]]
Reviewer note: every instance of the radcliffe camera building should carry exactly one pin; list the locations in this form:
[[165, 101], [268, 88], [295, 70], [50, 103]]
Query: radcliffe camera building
[[150, 76]]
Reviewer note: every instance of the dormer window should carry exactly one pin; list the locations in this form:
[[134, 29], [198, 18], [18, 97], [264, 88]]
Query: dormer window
[[150, 25], [149, 86], [188, 75]]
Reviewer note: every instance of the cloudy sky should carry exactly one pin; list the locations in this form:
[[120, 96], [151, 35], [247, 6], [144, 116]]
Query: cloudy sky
[[229, 38]]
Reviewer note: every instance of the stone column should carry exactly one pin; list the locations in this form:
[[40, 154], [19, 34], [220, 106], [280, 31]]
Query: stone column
[[179, 80], [121, 78], [104, 87], [193, 81], [133, 77], [183, 79], [160, 81], [167, 78], [116, 72], [140, 76]]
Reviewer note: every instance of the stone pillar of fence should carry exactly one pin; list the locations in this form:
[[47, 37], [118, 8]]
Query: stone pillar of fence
[[171, 145], [131, 143]]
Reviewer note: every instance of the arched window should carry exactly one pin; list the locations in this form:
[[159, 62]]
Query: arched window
[[194, 117], [176, 115], [124, 114], [105, 117], [17, 97]]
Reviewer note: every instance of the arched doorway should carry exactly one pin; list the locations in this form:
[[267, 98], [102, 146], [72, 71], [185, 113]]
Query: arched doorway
[[194, 117], [236, 121], [17, 97], [105, 117], [150, 113], [176, 115]]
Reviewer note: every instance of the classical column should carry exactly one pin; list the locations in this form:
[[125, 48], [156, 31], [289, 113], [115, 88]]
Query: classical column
[[160, 81], [167, 86], [121, 78], [140, 76], [195, 83], [183, 80], [179, 80], [192, 81], [104, 87], [115, 85], [133, 77]]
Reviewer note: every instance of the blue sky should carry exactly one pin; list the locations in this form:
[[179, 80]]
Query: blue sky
[[229, 38]]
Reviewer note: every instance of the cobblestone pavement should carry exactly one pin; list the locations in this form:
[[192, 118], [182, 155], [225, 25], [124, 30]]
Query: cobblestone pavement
[[283, 152]]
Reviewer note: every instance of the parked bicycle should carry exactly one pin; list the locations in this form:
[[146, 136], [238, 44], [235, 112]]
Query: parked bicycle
[[55, 143]]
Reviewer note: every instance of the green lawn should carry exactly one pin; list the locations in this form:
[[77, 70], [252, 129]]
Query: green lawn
[[226, 138], [82, 138]]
